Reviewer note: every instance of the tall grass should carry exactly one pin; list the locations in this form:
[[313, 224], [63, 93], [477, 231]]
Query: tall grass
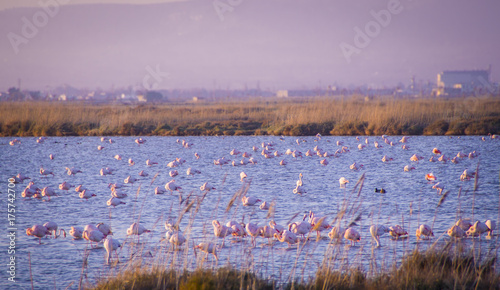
[[452, 265], [257, 116]]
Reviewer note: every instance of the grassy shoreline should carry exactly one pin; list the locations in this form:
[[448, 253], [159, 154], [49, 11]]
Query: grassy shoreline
[[446, 268], [258, 116]]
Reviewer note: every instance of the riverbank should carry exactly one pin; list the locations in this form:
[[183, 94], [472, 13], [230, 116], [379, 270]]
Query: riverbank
[[447, 268], [258, 116]]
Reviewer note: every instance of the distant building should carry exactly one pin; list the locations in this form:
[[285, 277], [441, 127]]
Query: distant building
[[462, 82], [282, 94]]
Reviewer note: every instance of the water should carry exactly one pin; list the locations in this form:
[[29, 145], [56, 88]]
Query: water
[[409, 201]]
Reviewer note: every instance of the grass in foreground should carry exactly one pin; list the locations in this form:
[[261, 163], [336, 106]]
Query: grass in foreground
[[443, 269]]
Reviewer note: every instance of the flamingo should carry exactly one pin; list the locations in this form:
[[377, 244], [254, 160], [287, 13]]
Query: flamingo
[[221, 231], [276, 226], [264, 206], [376, 231], [387, 159], [137, 229], [361, 146], [45, 172], [48, 192], [159, 190], [301, 228], [209, 248], [100, 147], [130, 179], [111, 245], [191, 171], [243, 175], [86, 194], [234, 152], [323, 162], [432, 159], [397, 231], [267, 232], [477, 229], [318, 223], [407, 168], [375, 143], [286, 236], [424, 232], [253, 231], [442, 158], [173, 173], [352, 235], [118, 157], [342, 182], [80, 188], [52, 229], [456, 232], [430, 177], [466, 175], [196, 155], [355, 166], [76, 232], [299, 190], [140, 141], [131, 162], [93, 236], [439, 187], [404, 139], [492, 225], [237, 228], [104, 228], [171, 186], [117, 193], [464, 224], [249, 200], [104, 172], [65, 186], [300, 182], [416, 158], [336, 233], [143, 174], [22, 177], [150, 163], [38, 231], [174, 236], [436, 151], [114, 201], [72, 170]]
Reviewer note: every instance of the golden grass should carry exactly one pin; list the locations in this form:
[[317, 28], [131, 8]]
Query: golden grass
[[349, 116]]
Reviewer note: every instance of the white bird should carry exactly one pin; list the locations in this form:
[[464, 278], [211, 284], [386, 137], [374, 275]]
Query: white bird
[[301, 228], [352, 235], [174, 236], [173, 164], [65, 186], [237, 228], [323, 162], [86, 194], [173, 173], [80, 188], [38, 231], [72, 170], [143, 174], [208, 248], [286, 237], [299, 190], [159, 190], [48, 192], [477, 229], [191, 171], [221, 231], [264, 206], [318, 223], [253, 231], [249, 200], [118, 193], [100, 147], [336, 233], [111, 245], [150, 163], [464, 224], [376, 231], [45, 172], [424, 232], [439, 187], [93, 236], [137, 229], [171, 186], [267, 232], [207, 187], [492, 225], [342, 182], [131, 162], [76, 232], [197, 155], [52, 229], [113, 201], [300, 182], [130, 179], [397, 231], [456, 232], [140, 141], [118, 157], [243, 175], [276, 226], [104, 228], [386, 159]]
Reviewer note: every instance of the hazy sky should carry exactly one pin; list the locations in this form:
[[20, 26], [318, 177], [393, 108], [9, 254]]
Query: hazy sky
[[275, 44]]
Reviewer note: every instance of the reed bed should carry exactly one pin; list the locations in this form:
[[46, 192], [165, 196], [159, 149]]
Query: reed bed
[[257, 116], [449, 265]]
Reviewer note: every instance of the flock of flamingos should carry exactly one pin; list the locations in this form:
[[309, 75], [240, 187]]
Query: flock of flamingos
[[291, 234]]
